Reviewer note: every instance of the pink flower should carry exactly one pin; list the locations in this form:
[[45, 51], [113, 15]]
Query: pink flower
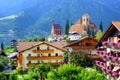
[[104, 43], [108, 70], [114, 74], [118, 44], [114, 59], [103, 69], [111, 43]]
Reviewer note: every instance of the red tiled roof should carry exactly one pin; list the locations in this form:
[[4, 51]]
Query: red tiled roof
[[22, 46], [116, 24], [78, 28]]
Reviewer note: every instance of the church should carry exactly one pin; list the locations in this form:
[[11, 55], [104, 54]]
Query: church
[[81, 27]]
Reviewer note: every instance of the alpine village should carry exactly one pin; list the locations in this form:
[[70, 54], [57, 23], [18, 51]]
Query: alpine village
[[77, 51]]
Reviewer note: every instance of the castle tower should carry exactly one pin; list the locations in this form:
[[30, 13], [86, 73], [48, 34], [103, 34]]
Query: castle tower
[[85, 20]]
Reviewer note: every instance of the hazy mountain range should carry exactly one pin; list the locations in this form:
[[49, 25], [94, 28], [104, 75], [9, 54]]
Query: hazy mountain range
[[28, 18]]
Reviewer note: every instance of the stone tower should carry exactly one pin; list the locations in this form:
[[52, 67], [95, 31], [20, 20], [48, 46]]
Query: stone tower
[[85, 20]]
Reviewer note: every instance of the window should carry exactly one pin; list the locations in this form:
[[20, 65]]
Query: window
[[38, 61], [56, 61], [48, 48], [56, 54], [88, 44], [29, 62], [38, 48], [29, 54], [49, 54], [80, 44], [38, 55]]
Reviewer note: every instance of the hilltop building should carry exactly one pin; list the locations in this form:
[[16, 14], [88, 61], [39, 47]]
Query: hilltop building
[[109, 50], [81, 27], [56, 32]]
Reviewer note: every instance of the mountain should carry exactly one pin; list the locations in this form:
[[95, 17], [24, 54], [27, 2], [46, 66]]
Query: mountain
[[35, 16]]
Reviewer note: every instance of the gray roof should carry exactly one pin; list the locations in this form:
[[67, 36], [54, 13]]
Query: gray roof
[[12, 55]]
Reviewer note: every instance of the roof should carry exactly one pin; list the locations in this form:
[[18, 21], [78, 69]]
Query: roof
[[80, 40], [26, 45], [115, 25], [13, 55], [78, 28], [57, 26], [86, 15], [22, 46]]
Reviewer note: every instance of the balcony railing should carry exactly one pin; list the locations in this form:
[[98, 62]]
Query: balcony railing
[[55, 63], [44, 51], [44, 57]]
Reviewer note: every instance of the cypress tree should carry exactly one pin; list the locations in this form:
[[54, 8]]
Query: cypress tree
[[67, 27], [93, 33], [2, 45], [101, 27], [88, 31]]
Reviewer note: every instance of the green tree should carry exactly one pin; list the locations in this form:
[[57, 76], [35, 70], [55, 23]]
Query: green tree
[[13, 76], [99, 34], [67, 27], [88, 31], [93, 33], [73, 72], [101, 26], [80, 58], [2, 46]]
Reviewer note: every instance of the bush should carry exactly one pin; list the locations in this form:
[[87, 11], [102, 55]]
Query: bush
[[1, 67], [13, 76]]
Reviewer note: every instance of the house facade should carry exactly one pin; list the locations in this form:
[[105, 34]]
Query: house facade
[[109, 50], [86, 44], [40, 52]]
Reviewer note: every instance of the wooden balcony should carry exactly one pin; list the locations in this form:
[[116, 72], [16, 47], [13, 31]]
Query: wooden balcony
[[44, 51], [58, 63], [44, 57]]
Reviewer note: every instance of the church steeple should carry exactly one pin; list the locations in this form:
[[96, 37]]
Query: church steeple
[[52, 29]]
